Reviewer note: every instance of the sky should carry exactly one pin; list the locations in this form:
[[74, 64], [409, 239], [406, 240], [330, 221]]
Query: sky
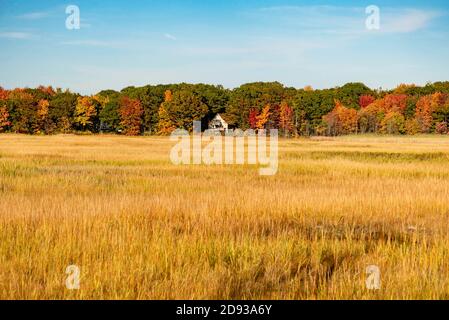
[[231, 42]]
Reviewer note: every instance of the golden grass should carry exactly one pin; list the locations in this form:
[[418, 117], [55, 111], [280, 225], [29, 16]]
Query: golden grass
[[142, 228]]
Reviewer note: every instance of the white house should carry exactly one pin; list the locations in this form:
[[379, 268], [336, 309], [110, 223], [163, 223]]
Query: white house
[[218, 124]]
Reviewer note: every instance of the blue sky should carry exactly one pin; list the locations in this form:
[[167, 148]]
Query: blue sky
[[122, 43]]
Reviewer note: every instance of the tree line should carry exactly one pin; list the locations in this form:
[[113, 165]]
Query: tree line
[[158, 110]]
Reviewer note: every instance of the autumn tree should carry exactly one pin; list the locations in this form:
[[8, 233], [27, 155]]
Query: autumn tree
[[365, 100], [349, 94], [181, 110], [313, 105], [165, 125], [441, 128], [348, 118], [286, 118], [412, 126], [369, 119], [23, 111], [44, 123], [4, 114], [3, 94], [168, 96], [394, 103], [47, 90], [42, 110], [424, 110], [441, 108], [253, 114], [131, 116], [408, 108], [404, 88], [341, 120], [308, 88], [85, 112], [263, 117], [254, 96], [393, 123], [4, 118]]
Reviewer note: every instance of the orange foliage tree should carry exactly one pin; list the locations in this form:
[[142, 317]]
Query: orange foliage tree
[[4, 114], [263, 117], [21, 104], [341, 120], [308, 88], [47, 90], [286, 118], [3, 94], [423, 113], [131, 112], [394, 103], [4, 118], [432, 108]]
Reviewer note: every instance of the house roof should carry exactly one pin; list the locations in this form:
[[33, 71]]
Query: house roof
[[223, 116]]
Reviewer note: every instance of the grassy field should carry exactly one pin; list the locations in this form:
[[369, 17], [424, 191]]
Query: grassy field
[[141, 228]]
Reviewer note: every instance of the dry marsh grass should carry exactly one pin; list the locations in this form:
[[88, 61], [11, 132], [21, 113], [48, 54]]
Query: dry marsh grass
[[142, 228]]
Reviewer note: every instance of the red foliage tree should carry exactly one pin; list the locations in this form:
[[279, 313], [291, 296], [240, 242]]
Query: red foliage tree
[[48, 90], [286, 118], [366, 100], [3, 94], [131, 112], [4, 118], [441, 128], [253, 114], [395, 103]]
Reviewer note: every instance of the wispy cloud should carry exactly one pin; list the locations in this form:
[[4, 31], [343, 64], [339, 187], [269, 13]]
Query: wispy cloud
[[92, 43], [409, 20], [170, 37], [34, 15], [16, 35], [349, 20]]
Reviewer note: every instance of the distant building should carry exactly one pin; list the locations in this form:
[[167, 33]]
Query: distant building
[[218, 124]]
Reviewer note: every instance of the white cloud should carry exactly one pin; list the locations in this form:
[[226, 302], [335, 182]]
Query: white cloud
[[409, 20], [348, 20], [170, 36], [34, 15], [15, 35], [91, 43]]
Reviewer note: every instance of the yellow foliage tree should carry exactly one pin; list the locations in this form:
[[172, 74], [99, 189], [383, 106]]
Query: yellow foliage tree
[[85, 111], [165, 125], [43, 122], [42, 109], [308, 88], [263, 117]]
